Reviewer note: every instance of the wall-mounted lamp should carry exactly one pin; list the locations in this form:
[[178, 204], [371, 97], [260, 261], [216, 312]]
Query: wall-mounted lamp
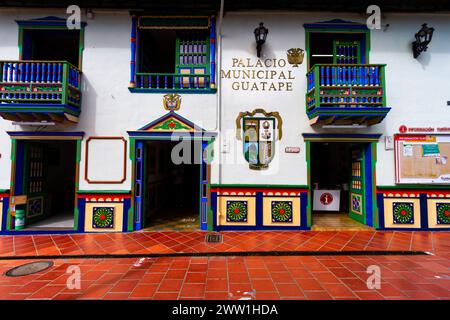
[[260, 37], [423, 38], [89, 14]]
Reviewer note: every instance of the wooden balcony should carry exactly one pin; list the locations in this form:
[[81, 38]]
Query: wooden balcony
[[173, 82], [40, 91], [343, 94]]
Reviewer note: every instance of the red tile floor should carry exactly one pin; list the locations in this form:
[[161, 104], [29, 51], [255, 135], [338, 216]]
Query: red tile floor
[[234, 277], [191, 242]]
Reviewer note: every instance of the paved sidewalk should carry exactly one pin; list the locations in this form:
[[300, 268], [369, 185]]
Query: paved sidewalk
[[194, 242], [231, 278]]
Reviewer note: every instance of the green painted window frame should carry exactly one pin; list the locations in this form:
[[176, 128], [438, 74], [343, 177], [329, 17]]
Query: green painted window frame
[[205, 65], [356, 43], [340, 31], [43, 26]]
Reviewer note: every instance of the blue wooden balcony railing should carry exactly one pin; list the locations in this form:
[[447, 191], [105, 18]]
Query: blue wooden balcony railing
[[172, 82], [337, 91], [39, 87]]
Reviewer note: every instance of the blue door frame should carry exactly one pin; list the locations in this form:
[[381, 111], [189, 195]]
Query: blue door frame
[[139, 175]]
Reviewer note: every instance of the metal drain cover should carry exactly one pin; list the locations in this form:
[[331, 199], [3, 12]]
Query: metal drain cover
[[28, 268], [213, 238]]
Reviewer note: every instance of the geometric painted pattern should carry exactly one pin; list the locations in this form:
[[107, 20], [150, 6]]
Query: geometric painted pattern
[[403, 212], [281, 211], [443, 213], [171, 124], [237, 211], [103, 218], [356, 203], [35, 207]]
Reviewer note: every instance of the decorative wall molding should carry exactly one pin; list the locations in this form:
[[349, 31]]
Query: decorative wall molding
[[124, 159]]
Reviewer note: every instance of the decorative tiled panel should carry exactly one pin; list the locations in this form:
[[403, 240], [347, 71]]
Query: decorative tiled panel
[[356, 203], [103, 217], [263, 208], [104, 212], [443, 213], [438, 212], [416, 209], [35, 207], [281, 211], [403, 212], [237, 211]]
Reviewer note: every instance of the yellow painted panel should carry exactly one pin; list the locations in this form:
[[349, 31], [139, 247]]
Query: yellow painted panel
[[267, 211], [222, 211], [118, 217], [389, 216], [432, 214]]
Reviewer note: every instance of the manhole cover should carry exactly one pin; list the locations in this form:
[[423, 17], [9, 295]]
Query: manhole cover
[[213, 238], [28, 268]]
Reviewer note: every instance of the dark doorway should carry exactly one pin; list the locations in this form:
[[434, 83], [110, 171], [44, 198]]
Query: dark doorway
[[337, 178], [51, 45], [49, 183], [172, 191]]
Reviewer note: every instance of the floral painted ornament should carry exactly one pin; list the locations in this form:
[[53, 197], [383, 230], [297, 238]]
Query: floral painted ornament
[[281, 211], [103, 217], [443, 213], [237, 211], [403, 213]]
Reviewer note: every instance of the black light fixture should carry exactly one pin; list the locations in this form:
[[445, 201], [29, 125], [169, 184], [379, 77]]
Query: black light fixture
[[423, 38], [260, 37]]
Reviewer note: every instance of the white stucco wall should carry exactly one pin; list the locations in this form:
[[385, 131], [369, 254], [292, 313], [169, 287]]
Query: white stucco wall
[[417, 90]]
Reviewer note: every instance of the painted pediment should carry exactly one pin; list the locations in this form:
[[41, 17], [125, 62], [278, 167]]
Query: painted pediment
[[171, 122]]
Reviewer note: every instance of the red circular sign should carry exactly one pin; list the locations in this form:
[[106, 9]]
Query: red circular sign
[[326, 198], [402, 129]]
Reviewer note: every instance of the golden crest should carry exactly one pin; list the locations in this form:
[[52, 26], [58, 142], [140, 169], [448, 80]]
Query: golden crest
[[172, 101], [295, 56]]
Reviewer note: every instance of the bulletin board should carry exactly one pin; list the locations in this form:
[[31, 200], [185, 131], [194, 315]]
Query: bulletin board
[[422, 159]]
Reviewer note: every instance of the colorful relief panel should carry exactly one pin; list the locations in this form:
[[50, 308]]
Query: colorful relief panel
[[103, 218], [35, 207], [438, 212], [104, 213], [403, 212], [443, 213], [281, 211], [237, 211], [356, 203], [258, 208]]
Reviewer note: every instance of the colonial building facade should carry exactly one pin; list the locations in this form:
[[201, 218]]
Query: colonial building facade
[[139, 119]]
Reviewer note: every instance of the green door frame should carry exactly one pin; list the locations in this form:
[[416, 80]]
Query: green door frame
[[370, 140], [135, 222], [18, 164]]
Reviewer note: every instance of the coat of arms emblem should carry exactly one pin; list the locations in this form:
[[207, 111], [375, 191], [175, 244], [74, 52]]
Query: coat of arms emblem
[[259, 130], [295, 56], [172, 101]]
